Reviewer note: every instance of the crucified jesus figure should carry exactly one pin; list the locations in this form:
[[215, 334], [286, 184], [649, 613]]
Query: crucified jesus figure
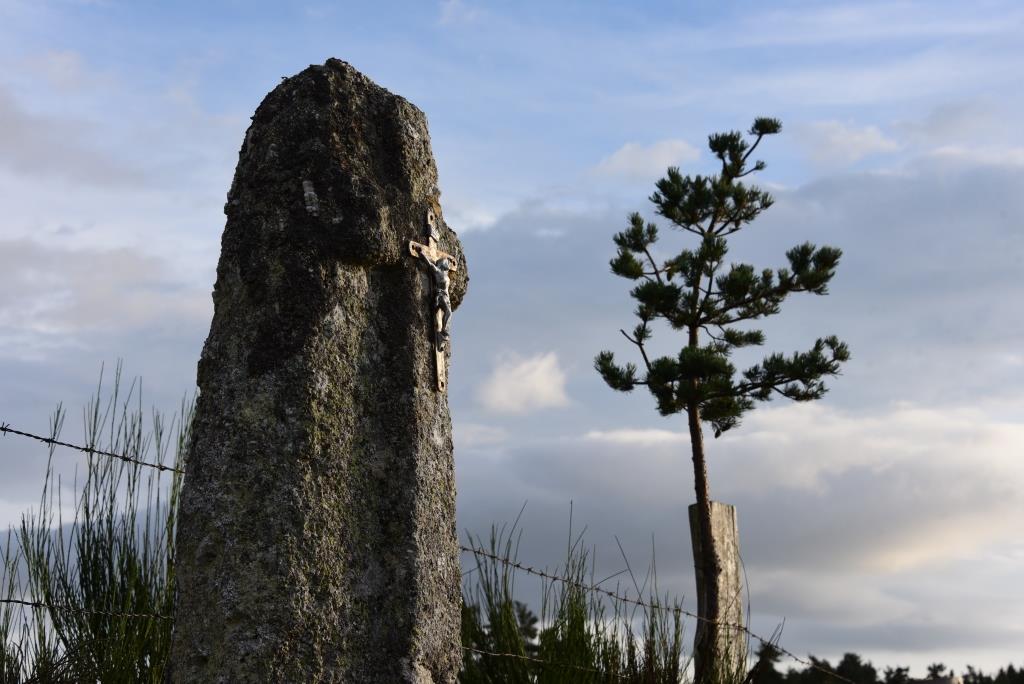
[[441, 265], [439, 271]]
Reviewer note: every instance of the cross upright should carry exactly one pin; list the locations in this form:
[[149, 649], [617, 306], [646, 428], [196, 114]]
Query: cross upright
[[440, 263]]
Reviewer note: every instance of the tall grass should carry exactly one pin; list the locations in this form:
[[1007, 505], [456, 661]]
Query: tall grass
[[582, 636], [105, 577]]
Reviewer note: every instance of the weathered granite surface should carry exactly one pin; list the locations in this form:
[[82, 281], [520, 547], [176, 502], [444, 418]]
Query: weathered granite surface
[[316, 540]]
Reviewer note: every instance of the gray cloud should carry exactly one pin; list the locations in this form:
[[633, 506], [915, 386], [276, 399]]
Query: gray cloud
[[844, 506], [50, 296], [900, 479], [930, 257], [835, 144], [49, 147], [66, 313], [849, 547]]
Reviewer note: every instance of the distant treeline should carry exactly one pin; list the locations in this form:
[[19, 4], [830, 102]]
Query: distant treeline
[[581, 643], [855, 668]]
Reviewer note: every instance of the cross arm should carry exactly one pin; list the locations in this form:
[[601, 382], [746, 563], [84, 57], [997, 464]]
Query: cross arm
[[432, 253]]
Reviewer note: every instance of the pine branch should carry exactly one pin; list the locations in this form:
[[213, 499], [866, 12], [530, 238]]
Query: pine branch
[[798, 377], [640, 345], [654, 265]]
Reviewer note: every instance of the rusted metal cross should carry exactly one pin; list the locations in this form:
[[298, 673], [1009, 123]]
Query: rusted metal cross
[[439, 264]]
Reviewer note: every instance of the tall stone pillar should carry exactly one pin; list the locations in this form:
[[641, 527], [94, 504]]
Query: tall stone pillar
[[316, 536], [731, 639]]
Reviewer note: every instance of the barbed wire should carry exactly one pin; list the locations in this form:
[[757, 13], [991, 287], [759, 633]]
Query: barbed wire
[[5, 428], [653, 606], [579, 585], [531, 659], [78, 609]]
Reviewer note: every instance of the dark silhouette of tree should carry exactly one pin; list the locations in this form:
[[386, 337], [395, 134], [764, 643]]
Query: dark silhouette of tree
[[515, 632], [527, 621], [1010, 675], [973, 676], [854, 668], [810, 674], [764, 671], [711, 302], [896, 675]]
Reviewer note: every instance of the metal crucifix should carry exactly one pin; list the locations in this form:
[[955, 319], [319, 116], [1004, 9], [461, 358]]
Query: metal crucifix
[[439, 264]]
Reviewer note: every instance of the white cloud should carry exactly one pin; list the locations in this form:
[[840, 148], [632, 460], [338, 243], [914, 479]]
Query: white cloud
[[637, 437], [63, 69], [806, 446], [986, 155], [830, 24], [889, 79], [833, 143], [472, 435], [521, 385], [457, 11], [937, 480], [644, 162], [466, 214]]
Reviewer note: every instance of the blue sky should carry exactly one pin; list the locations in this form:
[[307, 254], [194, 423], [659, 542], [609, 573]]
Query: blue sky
[[882, 520]]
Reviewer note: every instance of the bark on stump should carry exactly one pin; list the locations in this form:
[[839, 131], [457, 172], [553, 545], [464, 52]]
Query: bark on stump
[[316, 537], [731, 640]]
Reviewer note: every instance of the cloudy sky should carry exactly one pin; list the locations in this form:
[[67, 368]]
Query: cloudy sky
[[884, 519]]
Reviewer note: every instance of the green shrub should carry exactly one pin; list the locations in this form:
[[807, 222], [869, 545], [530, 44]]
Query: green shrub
[[581, 635], [105, 578]]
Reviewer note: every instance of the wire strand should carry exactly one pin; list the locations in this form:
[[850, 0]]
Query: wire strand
[[77, 609], [5, 428], [531, 659]]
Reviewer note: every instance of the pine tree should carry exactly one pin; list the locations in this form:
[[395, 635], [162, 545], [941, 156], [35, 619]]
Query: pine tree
[[696, 293]]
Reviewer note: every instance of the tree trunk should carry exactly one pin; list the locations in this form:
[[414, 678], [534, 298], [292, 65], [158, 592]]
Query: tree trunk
[[706, 656]]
